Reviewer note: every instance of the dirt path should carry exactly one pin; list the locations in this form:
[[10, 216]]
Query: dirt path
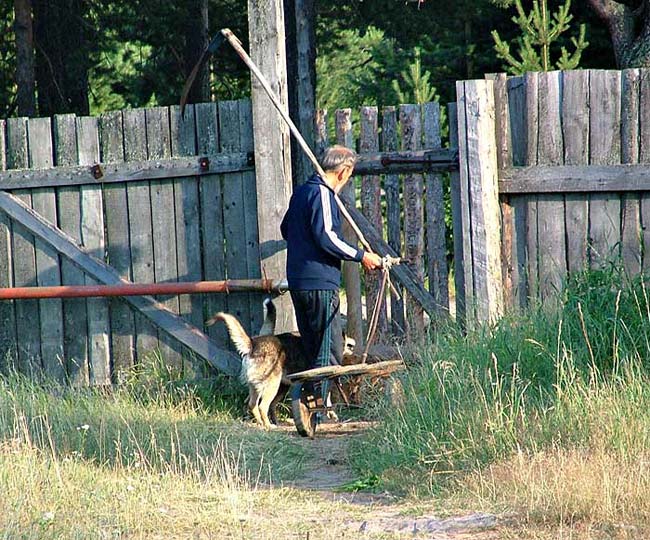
[[328, 470]]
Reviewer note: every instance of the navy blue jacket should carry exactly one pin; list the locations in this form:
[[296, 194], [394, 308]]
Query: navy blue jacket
[[315, 245]]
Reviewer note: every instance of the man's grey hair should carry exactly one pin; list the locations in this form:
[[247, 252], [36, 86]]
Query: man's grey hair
[[338, 157]]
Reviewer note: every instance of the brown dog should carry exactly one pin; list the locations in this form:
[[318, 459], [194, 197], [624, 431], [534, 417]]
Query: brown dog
[[266, 360]]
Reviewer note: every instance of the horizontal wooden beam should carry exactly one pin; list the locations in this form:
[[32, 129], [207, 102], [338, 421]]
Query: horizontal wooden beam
[[134, 171], [438, 160], [574, 179], [186, 334]]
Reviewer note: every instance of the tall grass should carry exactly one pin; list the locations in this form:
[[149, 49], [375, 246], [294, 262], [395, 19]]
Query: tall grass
[[547, 413], [147, 460]]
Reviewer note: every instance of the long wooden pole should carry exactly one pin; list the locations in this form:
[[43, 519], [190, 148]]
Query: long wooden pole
[[236, 44]]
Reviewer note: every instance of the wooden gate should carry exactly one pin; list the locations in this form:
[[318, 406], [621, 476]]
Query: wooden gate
[[151, 209]]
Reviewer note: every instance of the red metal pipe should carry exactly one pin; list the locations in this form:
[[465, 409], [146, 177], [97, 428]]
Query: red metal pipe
[[139, 289]]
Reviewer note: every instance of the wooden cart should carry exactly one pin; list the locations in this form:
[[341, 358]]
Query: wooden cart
[[305, 405]]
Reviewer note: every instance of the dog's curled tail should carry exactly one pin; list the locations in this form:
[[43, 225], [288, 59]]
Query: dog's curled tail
[[238, 335]]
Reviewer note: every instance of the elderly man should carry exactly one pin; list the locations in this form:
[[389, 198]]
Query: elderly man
[[315, 249]]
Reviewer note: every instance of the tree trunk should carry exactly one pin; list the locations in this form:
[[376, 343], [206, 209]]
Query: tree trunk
[[26, 96], [62, 56], [629, 30], [196, 40]]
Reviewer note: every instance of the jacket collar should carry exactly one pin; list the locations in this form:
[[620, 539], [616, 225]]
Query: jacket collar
[[317, 179]]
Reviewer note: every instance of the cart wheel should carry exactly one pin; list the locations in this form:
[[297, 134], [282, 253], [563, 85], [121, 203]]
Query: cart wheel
[[304, 418]]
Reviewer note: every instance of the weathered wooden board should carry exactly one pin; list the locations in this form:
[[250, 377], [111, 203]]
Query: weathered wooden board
[[137, 171], [272, 145], [388, 142], [234, 219], [436, 232], [97, 269], [251, 240], [24, 259], [644, 157], [140, 228], [371, 207], [630, 205], [504, 160], [604, 149], [350, 270], [411, 134], [212, 233], [122, 319], [75, 314], [375, 369], [517, 121], [93, 239], [550, 208], [163, 224], [456, 220], [8, 339], [531, 127], [187, 208], [479, 149], [464, 191]]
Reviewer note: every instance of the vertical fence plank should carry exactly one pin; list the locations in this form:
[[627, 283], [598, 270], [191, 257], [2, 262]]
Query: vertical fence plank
[[478, 149], [163, 222], [631, 217], [463, 189], [122, 319], [321, 141], [531, 123], [371, 207], [233, 211], [575, 131], [252, 240], [456, 221], [140, 228], [605, 149], [24, 262], [550, 208], [411, 130], [350, 270], [8, 338], [436, 231], [92, 235], [188, 226], [644, 157], [48, 271], [504, 160], [518, 273], [75, 315], [212, 233], [388, 141]]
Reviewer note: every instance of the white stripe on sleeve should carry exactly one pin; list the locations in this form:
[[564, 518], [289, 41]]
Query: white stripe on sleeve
[[329, 231]]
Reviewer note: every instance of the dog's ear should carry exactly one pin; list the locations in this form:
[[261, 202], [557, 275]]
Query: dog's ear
[[348, 344]]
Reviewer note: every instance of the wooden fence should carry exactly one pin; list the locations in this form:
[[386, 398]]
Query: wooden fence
[[409, 208], [568, 153], [160, 198], [153, 222]]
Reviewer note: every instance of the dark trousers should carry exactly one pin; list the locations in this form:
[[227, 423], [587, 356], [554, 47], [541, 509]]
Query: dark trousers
[[319, 324]]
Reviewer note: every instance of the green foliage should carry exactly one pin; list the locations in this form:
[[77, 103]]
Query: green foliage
[[7, 60], [418, 88], [539, 31]]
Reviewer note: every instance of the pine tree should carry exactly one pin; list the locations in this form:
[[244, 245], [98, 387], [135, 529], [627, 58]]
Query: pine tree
[[539, 30], [418, 89]]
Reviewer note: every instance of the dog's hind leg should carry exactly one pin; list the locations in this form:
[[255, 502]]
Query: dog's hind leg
[[279, 396], [268, 394], [253, 404]]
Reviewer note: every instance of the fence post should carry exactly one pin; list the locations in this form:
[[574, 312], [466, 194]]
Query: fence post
[[479, 190], [350, 270], [272, 145]]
